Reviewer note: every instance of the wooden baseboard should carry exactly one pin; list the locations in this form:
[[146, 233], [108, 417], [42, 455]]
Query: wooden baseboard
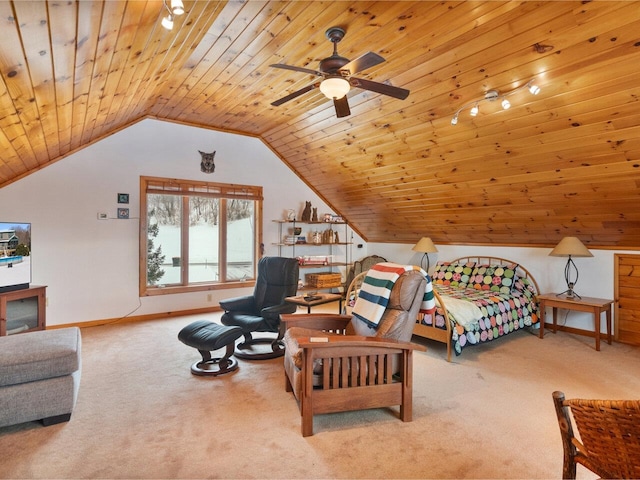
[[136, 318]]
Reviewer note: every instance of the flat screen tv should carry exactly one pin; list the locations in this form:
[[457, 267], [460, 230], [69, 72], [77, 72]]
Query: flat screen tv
[[15, 256]]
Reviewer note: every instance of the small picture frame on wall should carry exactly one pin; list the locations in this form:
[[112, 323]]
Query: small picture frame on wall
[[123, 213], [123, 198]]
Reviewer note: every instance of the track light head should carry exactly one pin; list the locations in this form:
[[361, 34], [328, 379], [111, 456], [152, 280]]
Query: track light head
[[177, 7], [167, 22]]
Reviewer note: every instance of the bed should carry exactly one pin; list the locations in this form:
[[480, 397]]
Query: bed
[[480, 299]]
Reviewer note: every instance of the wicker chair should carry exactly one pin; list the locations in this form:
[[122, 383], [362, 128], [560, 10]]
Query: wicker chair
[[609, 432], [352, 293], [362, 266]]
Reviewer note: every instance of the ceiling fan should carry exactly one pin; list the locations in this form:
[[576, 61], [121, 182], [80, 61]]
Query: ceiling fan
[[337, 79]]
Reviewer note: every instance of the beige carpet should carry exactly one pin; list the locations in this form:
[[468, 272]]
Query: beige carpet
[[141, 414]]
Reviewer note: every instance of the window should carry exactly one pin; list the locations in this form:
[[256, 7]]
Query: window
[[197, 235]]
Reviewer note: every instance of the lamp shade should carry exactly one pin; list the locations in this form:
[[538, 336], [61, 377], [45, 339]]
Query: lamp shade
[[570, 247], [334, 87], [425, 245]]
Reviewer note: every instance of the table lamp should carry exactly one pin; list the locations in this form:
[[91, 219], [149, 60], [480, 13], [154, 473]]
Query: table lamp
[[570, 247], [426, 246]]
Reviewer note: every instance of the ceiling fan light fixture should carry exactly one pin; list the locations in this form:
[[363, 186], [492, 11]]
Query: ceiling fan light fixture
[[167, 22], [334, 87], [177, 7], [336, 72]]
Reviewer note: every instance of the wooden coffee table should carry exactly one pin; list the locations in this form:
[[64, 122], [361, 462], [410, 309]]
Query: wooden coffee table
[[316, 299]]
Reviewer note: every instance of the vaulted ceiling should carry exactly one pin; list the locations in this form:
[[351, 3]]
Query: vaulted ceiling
[[563, 162]]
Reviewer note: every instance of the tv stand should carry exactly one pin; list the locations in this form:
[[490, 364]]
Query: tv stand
[[22, 310]]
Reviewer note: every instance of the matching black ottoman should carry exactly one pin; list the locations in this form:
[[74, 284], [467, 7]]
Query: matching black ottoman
[[206, 336]]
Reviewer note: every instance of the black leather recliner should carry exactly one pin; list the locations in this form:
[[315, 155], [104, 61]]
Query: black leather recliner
[[260, 312]]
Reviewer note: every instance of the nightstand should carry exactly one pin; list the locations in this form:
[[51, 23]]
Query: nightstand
[[585, 304]]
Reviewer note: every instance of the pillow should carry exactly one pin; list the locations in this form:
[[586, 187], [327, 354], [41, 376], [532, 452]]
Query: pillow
[[453, 274], [494, 278]]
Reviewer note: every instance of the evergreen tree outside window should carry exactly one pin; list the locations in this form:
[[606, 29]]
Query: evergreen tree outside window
[[154, 255], [197, 235]]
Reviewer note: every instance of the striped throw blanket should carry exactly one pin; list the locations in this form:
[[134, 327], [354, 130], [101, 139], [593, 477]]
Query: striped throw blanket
[[376, 289]]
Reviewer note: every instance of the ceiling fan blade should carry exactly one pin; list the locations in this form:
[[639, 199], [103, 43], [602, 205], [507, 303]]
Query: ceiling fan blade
[[295, 94], [363, 62], [297, 69], [383, 88], [342, 107]]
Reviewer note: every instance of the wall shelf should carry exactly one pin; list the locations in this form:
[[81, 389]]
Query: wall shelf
[[337, 252]]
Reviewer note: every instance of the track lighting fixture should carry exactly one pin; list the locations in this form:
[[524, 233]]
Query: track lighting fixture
[[491, 96], [177, 8]]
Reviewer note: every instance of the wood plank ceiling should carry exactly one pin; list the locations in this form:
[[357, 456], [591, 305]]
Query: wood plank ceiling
[[564, 162]]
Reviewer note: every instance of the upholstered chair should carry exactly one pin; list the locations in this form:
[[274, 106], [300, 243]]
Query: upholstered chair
[[260, 312], [336, 363]]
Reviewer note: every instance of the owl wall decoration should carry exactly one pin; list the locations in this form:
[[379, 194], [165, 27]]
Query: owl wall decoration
[[206, 162]]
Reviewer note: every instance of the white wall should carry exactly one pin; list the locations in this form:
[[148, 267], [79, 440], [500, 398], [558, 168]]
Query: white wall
[[596, 274], [91, 266]]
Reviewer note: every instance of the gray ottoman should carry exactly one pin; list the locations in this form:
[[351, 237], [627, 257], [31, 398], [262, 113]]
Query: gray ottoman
[[206, 336], [39, 376]]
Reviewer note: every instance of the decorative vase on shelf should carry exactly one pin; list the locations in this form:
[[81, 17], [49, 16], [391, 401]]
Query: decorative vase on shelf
[[330, 237]]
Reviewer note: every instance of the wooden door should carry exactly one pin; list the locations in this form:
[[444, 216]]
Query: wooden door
[[627, 295]]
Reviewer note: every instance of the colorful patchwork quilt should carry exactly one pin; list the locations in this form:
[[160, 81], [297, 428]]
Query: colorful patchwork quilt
[[505, 303]]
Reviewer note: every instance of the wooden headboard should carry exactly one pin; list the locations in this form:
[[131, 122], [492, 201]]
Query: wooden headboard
[[520, 270]]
